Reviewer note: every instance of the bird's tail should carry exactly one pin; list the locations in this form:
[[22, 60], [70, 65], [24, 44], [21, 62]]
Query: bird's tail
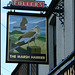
[[17, 45], [13, 48]]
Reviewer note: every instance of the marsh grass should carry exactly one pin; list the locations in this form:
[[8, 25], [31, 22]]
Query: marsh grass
[[40, 42]]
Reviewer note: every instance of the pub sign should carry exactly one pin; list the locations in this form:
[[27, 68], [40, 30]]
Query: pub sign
[[27, 38]]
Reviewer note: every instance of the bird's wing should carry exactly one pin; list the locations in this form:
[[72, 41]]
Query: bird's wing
[[24, 21], [27, 35]]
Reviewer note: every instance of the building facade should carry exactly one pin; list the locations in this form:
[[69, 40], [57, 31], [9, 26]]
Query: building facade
[[61, 40]]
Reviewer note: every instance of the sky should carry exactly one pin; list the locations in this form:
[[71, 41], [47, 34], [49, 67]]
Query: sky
[[7, 68], [14, 21]]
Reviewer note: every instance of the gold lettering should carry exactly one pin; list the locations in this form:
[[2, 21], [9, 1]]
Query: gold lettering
[[12, 56], [37, 57], [43, 57], [23, 56]]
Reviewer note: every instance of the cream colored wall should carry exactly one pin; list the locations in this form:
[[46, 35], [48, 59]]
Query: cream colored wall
[[69, 26], [65, 35], [59, 41], [43, 69]]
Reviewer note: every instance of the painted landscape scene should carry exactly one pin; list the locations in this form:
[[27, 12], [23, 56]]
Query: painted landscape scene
[[27, 35]]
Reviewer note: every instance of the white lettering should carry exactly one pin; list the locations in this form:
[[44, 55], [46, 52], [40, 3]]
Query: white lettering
[[27, 3], [40, 4], [14, 2], [36, 4], [31, 3], [23, 4], [19, 3]]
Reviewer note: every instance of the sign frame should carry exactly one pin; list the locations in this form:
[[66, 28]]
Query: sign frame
[[12, 57]]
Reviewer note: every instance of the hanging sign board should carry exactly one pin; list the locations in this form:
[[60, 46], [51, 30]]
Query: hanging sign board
[[27, 38], [28, 3]]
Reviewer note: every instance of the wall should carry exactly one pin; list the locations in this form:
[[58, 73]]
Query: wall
[[65, 34], [0, 39], [69, 26], [43, 69], [50, 43], [59, 41]]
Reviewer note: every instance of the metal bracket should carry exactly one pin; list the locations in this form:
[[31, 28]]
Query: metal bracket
[[9, 4], [59, 11]]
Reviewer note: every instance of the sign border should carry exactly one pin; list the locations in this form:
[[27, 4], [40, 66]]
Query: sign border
[[26, 14]]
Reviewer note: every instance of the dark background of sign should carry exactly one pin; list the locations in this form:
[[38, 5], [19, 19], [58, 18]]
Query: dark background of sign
[[33, 15]]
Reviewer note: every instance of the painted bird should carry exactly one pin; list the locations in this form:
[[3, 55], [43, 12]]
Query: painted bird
[[22, 24], [28, 37]]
